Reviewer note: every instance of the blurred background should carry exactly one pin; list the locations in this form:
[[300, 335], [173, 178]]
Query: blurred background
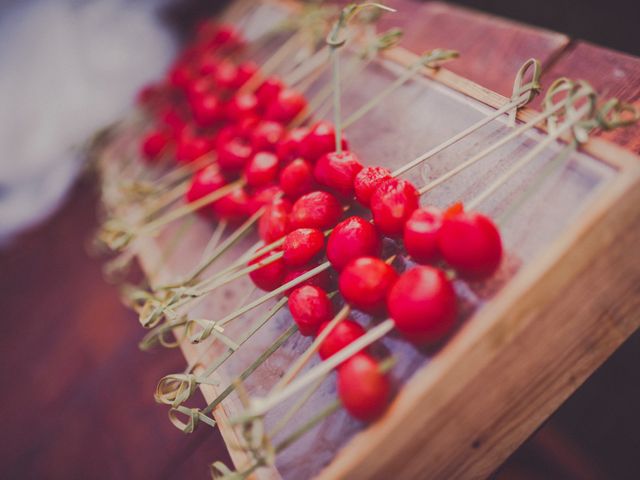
[[77, 391]]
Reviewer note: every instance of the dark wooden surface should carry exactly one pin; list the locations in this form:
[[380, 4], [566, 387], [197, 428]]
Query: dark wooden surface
[[77, 395]]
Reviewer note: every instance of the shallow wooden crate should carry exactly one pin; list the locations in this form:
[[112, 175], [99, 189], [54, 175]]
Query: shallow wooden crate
[[566, 297]]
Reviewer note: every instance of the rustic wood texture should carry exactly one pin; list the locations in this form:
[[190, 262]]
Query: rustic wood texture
[[77, 398], [491, 48], [611, 73]]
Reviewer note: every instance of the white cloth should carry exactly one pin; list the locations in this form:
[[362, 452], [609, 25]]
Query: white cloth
[[67, 68]]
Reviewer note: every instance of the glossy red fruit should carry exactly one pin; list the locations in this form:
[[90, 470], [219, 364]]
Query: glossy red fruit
[[173, 119], [180, 76], [192, 147], [337, 171], [208, 65], [266, 135], [153, 144], [206, 110], [233, 207], [317, 209], [423, 304], [392, 204], [296, 179], [270, 276], [241, 106], [200, 86], [150, 94], [262, 169], [310, 307], [342, 335], [365, 282], [288, 148], [352, 238], [244, 73], [302, 245], [225, 75], [363, 389], [234, 154], [268, 91], [274, 223], [322, 279], [319, 141], [204, 182], [470, 243], [367, 181], [287, 105], [421, 234], [263, 196]]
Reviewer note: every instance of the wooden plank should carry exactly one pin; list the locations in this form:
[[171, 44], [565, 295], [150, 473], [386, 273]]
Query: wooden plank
[[611, 73], [541, 337], [491, 48]]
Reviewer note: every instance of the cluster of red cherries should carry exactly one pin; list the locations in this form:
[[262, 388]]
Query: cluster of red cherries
[[304, 184]]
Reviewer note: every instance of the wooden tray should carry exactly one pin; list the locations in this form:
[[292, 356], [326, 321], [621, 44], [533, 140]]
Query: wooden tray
[[564, 300]]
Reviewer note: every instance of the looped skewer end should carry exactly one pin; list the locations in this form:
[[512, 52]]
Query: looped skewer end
[[522, 92], [334, 39], [207, 328], [194, 417], [175, 389], [433, 58], [381, 42], [614, 114]]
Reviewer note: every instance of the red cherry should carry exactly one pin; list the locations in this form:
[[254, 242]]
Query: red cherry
[[233, 207], [302, 245], [296, 179], [204, 182], [342, 335], [262, 169], [470, 243], [225, 76], [266, 135], [337, 171], [367, 181], [190, 148], [287, 105], [321, 280], [269, 277], [241, 106], [180, 76], [173, 119], [206, 110], [352, 238], [244, 73], [421, 234], [200, 86], [208, 65], [268, 91], [288, 148], [363, 390], [274, 222], [317, 209], [150, 94], [263, 196], [365, 282], [423, 304], [319, 141], [234, 154], [153, 144], [310, 307], [392, 204]]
